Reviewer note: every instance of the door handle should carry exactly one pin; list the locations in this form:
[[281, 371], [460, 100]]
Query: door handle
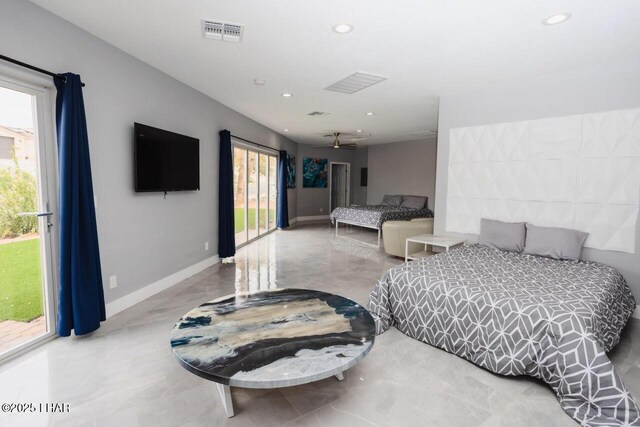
[[35, 214]]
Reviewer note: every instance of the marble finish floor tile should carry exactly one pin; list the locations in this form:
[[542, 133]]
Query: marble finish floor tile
[[126, 375]]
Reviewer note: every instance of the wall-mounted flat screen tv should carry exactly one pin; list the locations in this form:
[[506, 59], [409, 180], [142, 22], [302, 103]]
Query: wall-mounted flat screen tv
[[165, 161]]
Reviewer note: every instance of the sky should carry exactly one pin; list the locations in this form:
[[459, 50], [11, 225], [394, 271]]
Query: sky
[[15, 109]]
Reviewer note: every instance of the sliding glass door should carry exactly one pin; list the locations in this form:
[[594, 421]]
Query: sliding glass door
[[254, 184], [27, 203], [252, 195]]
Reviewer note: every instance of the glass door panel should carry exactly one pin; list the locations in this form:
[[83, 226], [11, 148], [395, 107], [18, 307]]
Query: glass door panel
[[26, 311], [240, 194], [263, 192], [252, 193], [255, 191], [273, 191]]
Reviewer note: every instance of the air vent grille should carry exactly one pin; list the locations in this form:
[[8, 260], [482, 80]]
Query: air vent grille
[[423, 133], [317, 113], [223, 31], [355, 82]]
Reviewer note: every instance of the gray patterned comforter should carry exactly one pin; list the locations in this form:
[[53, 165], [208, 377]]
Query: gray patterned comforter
[[374, 215], [516, 314]]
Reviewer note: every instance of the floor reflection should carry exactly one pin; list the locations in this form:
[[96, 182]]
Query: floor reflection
[[256, 266]]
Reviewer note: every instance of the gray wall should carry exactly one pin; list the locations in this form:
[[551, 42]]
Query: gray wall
[[592, 90], [402, 168], [143, 238], [315, 201]]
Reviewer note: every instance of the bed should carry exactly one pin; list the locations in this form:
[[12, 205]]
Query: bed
[[373, 216], [517, 314]]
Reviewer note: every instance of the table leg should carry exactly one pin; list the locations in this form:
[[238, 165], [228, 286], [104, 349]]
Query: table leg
[[340, 376], [406, 250], [225, 396]]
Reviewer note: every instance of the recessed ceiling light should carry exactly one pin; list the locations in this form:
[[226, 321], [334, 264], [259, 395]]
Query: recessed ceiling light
[[287, 95], [558, 18], [286, 130], [359, 130], [259, 82], [370, 113], [342, 28]]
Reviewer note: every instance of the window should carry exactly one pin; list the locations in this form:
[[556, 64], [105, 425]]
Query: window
[[254, 191], [6, 147]]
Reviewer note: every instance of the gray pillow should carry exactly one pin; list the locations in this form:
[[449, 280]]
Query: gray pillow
[[506, 236], [391, 200], [554, 242], [414, 202]]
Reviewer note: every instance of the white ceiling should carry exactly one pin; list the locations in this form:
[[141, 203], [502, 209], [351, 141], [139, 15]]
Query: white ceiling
[[424, 48]]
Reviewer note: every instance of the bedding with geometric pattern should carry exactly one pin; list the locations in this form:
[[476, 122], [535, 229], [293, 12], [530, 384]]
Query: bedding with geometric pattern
[[517, 314], [374, 215]]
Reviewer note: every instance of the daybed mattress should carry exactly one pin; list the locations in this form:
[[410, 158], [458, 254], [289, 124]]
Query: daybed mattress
[[374, 215], [517, 314]]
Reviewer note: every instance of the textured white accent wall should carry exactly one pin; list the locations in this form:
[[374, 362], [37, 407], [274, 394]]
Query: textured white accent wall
[[580, 172]]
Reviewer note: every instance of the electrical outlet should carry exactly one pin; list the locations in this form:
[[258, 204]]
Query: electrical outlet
[[113, 282], [206, 246]]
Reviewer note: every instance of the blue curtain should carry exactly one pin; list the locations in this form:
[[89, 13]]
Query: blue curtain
[[81, 296], [226, 230], [282, 215]]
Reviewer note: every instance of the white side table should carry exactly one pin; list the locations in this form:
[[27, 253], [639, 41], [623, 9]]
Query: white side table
[[430, 239]]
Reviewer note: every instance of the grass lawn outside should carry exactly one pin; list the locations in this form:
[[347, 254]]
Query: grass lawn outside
[[239, 218], [20, 281]]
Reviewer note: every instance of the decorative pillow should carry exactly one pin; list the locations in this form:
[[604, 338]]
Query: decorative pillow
[[554, 242], [391, 200], [414, 202], [506, 236]]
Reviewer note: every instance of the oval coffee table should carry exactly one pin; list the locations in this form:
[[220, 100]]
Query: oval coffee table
[[271, 339]]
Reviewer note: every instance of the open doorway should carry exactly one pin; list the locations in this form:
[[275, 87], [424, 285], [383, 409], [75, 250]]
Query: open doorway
[[339, 184]]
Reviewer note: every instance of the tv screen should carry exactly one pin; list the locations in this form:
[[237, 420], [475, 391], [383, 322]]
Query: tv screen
[[165, 161]]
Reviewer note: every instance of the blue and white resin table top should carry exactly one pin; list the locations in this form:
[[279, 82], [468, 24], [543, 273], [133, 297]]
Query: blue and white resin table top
[[275, 338]]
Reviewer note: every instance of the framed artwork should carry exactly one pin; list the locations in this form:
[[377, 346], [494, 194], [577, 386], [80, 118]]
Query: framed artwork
[[314, 172], [291, 171]]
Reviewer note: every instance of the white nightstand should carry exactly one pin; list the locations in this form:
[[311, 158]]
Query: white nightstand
[[429, 239]]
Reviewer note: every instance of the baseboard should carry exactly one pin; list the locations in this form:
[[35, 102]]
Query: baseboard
[[148, 291], [311, 218], [293, 221]]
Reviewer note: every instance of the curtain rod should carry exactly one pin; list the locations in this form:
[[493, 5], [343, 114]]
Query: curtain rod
[[254, 143], [34, 68]]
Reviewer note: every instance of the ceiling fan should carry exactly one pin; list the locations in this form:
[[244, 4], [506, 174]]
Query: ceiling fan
[[338, 144]]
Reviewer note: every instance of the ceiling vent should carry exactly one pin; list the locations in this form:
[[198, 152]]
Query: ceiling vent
[[223, 31], [317, 113], [355, 83], [423, 133]]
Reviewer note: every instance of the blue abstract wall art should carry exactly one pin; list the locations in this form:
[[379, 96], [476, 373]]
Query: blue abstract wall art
[[291, 171], [314, 172]]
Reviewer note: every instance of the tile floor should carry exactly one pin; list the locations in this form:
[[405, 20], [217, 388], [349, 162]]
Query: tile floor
[[125, 375]]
